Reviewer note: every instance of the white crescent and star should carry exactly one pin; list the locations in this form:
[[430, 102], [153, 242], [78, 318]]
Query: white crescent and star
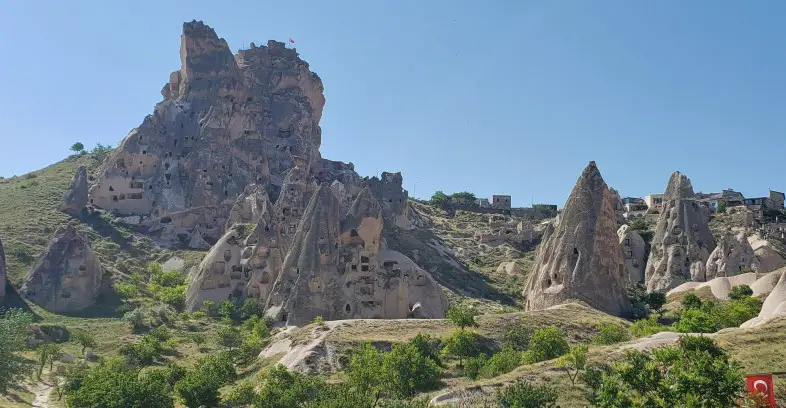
[[762, 382]]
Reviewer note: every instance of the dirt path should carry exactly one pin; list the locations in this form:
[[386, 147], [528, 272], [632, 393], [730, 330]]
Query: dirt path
[[42, 390]]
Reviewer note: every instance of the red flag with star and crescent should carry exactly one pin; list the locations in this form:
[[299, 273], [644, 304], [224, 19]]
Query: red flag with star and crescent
[[291, 41], [761, 385]]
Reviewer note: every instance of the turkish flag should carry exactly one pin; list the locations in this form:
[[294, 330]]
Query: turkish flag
[[291, 41], [761, 384]]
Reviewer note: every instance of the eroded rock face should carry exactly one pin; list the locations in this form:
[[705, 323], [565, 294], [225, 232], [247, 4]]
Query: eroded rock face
[[2, 273], [226, 121], [733, 256], [634, 251], [67, 277], [581, 257], [682, 242], [75, 198]]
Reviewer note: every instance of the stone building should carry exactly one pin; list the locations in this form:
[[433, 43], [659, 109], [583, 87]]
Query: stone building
[[654, 202], [500, 202], [777, 199]]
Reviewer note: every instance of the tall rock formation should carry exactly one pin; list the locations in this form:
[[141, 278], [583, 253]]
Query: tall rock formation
[[226, 121], [733, 256], [2, 273], [75, 198], [682, 242], [67, 277], [634, 251], [581, 257]]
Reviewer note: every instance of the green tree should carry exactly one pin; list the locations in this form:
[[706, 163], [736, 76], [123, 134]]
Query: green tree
[[364, 369], [547, 343], [78, 148], [250, 307], [440, 200], [740, 310], [229, 337], [655, 301], [523, 394], [722, 207], [695, 374], [501, 362], [200, 386], [199, 339], [517, 336], [461, 316], [47, 353], [406, 372], [85, 340], [639, 224], [241, 395], [647, 327], [115, 385], [691, 301], [463, 196], [13, 340], [209, 307], [610, 333], [461, 344], [226, 308], [740, 292], [474, 366], [142, 354], [428, 346], [637, 294], [573, 362]]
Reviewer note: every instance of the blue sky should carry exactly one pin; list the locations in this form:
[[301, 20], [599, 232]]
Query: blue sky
[[487, 96]]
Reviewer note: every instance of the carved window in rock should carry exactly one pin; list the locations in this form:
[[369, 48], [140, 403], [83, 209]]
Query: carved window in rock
[[353, 233], [227, 255], [294, 212], [676, 230], [237, 272], [629, 254], [627, 241], [219, 268], [354, 267], [136, 184], [292, 228], [286, 211], [114, 198], [635, 263]]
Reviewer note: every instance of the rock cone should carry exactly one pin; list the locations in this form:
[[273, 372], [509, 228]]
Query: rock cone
[[733, 256], [682, 242], [75, 198], [634, 251], [581, 258], [67, 277]]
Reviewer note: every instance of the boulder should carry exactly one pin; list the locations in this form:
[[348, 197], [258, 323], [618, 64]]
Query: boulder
[[580, 257], [682, 242], [634, 251], [509, 268], [67, 277], [732, 256], [768, 257], [75, 198], [774, 306]]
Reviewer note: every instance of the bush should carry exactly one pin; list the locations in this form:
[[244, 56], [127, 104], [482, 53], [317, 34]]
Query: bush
[[461, 344], [691, 301], [198, 315], [696, 373], [209, 307], [637, 294], [740, 310], [573, 362], [547, 343], [610, 333], [647, 327], [113, 384], [406, 372], [740, 292], [501, 362], [696, 320], [250, 307], [655, 301], [427, 346], [168, 279], [172, 296], [517, 336], [201, 385], [523, 394], [85, 340], [250, 348], [440, 200], [242, 394], [78, 147], [463, 196], [126, 291], [226, 308], [135, 318], [229, 337], [474, 365]]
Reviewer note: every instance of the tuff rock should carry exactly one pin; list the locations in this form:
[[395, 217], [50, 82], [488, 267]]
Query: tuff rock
[[75, 198], [682, 242], [580, 258], [733, 256], [67, 277], [634, 251], [226, 121]]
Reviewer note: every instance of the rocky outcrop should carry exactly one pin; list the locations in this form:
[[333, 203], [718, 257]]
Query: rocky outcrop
[[774, 306], [619, 207], [2, 273], [581, 257], [732, 256], [75, 198], [67, 277], [225, 122], [768, 257], [682, 242], [634, 251]]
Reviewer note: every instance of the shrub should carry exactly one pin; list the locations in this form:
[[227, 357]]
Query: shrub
[[250, 307], [464, 196], [172, 296], [226, 308], [229, 337], [13, 339], [637, 294], [691, 301], [208, 307], [319, 321], [126, 291], [523, 394], [461, 344], [113, 384], [547, 343], [740, 310], [517, 336], [696, 373], [647, 327], [474, 365], [639, 224], [740, 291], [199, 339], [85, 340], [78, 147], [440, 200], [461, 316], [168, 279], [242, 394], [405, 372], [610, 333], [573, 362], [250, 347], [655, 301], [696, 320], [135, 318], [200, 386], [427, 346], [198, 315], [501, 362]]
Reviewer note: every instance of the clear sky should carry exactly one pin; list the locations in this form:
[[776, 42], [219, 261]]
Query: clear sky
[[487, 96]]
